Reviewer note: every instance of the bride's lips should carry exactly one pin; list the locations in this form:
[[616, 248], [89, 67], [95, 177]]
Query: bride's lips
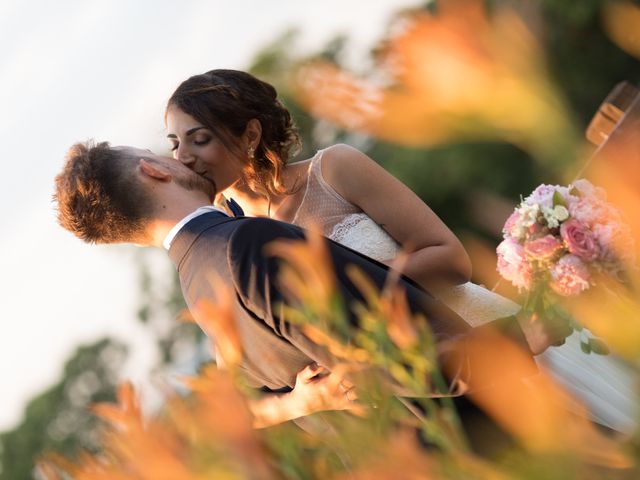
[[203, 174]]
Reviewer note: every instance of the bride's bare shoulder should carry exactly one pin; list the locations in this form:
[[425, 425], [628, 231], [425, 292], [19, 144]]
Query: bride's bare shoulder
[[337, 161], [341, 152], [349, 170]]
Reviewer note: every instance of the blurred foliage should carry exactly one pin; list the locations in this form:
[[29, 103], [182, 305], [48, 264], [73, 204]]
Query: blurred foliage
[[584, 61], [581, 62], [59, 419], [210, 434], [460, 179], [447, 177]]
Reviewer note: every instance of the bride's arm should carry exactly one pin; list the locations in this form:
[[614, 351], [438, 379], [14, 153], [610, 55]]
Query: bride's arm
[[437, 258], [316, 390]]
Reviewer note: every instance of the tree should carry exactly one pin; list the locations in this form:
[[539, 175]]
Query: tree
[[59, 418]]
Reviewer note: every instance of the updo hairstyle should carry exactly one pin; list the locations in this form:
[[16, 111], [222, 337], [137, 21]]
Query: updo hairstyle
[[224, 101]]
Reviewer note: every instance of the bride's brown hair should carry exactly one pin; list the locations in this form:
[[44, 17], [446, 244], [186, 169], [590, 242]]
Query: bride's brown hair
[[224, 101]]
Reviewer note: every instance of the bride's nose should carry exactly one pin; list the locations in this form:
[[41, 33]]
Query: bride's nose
[[184, 156]]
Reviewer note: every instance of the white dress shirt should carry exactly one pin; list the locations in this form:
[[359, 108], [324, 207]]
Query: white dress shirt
[[178, 226]]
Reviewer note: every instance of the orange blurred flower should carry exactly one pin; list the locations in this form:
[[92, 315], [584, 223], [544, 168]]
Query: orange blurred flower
[[218, 321], [612, 311], [307, 275], [456, 73], [622, 23], [392, 306], [208, 435], [503, 382]]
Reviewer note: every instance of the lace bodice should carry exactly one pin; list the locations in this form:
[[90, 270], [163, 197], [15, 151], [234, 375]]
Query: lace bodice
[[348, 225], [321, 204], [359, 232]]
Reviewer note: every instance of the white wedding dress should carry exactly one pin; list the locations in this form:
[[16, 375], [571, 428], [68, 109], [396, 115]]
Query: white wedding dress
[[602, 383]]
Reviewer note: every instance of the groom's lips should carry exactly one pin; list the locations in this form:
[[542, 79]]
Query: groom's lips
[[203, 174]]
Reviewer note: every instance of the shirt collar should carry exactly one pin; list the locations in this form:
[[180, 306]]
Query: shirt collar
[[178, 226]]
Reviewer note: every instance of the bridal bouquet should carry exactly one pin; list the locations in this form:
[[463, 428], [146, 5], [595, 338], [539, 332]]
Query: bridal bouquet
[[557, 242]]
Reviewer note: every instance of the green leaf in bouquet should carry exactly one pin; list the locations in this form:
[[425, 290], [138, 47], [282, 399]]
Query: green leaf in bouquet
[[549, 304], [530, 301], [585, 347], [566, 317], [575, 192], [558, 199], [598, 346]]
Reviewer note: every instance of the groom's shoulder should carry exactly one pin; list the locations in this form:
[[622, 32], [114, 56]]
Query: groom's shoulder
[[247, 253], [258, 230]]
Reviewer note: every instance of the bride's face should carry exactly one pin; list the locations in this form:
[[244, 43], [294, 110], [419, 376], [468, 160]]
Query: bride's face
[[201, 150]]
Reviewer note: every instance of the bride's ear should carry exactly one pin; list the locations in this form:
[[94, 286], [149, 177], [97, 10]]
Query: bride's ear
[[253, 133], [154, 170]]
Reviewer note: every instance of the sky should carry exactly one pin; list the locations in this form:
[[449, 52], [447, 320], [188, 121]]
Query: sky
[[78, 69]]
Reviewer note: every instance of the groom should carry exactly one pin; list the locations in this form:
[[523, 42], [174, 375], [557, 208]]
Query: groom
[[123, 194], [110, 194]]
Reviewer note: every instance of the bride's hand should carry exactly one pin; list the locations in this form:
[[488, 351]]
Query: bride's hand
[[319, 389], [541, 335]]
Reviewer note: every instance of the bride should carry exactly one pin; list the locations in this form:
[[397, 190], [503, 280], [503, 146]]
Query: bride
[[229, 127]]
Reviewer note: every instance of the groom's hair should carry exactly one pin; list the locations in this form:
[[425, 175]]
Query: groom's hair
[[99, 198]]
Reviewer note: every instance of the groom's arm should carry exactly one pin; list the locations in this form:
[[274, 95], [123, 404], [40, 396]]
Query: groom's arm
[[255, 275]]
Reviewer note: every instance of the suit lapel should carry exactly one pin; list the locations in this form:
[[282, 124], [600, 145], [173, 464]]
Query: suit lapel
[[192, 230]]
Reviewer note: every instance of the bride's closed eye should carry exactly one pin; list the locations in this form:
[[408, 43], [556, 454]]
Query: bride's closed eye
[[202, 141], [198, 142]]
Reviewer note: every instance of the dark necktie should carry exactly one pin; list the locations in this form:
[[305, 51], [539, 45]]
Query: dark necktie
[[235, 208]]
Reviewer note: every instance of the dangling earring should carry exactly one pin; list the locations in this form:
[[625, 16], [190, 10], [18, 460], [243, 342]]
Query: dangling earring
[[250, 152]]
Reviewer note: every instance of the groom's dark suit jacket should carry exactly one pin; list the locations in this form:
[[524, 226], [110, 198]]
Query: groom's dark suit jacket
[[273, 349]]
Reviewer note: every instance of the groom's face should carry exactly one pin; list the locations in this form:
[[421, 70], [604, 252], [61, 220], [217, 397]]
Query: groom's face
[[181, 174]]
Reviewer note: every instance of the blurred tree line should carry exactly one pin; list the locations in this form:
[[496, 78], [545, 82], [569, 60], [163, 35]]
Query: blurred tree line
[[458, 180], [58, 418], [582, 61]]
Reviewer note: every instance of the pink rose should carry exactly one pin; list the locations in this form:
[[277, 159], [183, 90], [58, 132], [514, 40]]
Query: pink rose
[[569, 276], [579, 239], [587, 189], [512, 226], [513, 265], [606, 234], [543, 195], [543, 248], [534, 229], [588, 211], [616, 242]]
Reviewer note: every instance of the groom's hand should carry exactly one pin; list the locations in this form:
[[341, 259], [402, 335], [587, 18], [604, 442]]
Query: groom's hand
[[541, 335], [319, 389]]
